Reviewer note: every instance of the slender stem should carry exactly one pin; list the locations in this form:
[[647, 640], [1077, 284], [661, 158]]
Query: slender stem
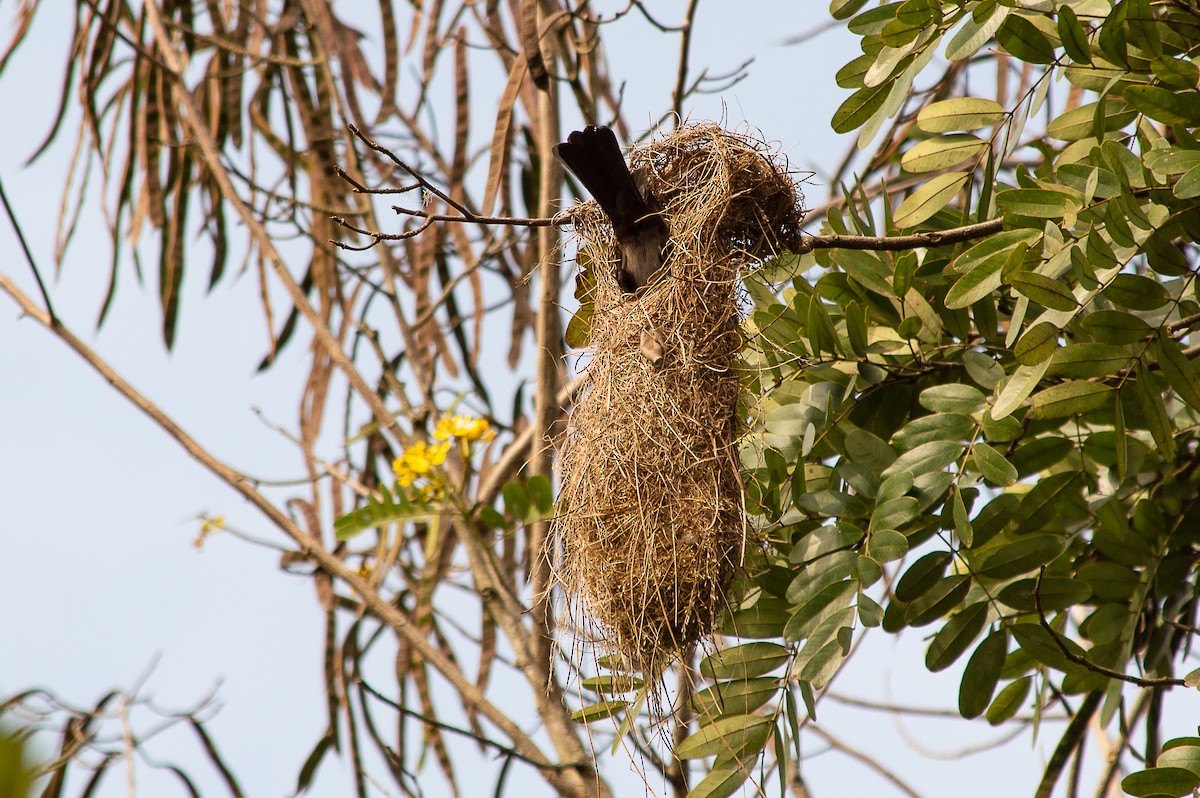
[[1067, 745], [386, 611], [685, 45], [1084, 661], [934, 238], [194, 118], [854, 753]]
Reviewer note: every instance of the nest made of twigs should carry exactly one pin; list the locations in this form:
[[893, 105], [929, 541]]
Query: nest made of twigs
[[651, 529]]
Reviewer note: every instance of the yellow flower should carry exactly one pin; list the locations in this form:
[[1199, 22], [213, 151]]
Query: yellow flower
[[430, 493], [465, 428], [211, 524], [418, 459]]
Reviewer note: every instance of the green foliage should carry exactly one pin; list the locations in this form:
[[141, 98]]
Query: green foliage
[[16, 769], [1003, 427]]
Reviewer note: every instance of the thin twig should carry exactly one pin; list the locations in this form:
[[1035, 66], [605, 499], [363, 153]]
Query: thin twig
[[37, 275], [428, 721], [385, 610], [685, 44], [933, 238], [516, 452], [421, 181], [1068, 743], [854, 753], [1084, 661]]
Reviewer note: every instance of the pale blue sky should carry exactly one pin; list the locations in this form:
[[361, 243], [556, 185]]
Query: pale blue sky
[[98, 507]]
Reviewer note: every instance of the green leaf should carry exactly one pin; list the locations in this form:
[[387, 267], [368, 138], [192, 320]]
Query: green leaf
[[824, 663], [887, 545], [1009, 702], [1053, 495], [833, 504], [516, 500], [579, 329], [599, 710], [993, 466], [1160, 781], [763, 621], [1164, 105], [938, 600], [1056, 594], [540, 492], [869, 612], [307, 770], [387, 509], [982, 675], [1115, 327], [1037, 343], [956, 636], [739, 697], [856, 329], [1171, 160], [942, 152], [1143, 28], [1080, 122], [962, 522], [744, 661], [962, 113], [1136, 292], [1176, 72], [1073, 37], [1040, 203], [993, 248], [726, 776], [1068, 399], [932, 456], [953, 397], [1183, 753], [1089, 359], [859, 107], [1154, 411], [979, 282], [1044, 290], [1179, 370], [736, 736], [937, 427], [1023, 40], [844, 9], [1188, 186], [867, 570], [873, 19], [922, 575], [1017, 389], [929, 199], [975, 33], [612, 683], [1109, 581], [1022, 556], [1040, 644], [829, 600]]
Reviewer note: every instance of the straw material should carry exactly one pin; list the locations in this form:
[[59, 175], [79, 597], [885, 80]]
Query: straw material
[[651, 526]]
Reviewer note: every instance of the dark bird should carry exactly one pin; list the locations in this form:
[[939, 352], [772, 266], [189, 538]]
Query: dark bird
[[594, 156]]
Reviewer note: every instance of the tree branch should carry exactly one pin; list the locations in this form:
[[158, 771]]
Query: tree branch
[[1066, 745], [385, 610], [934, 238], [1084, 661]]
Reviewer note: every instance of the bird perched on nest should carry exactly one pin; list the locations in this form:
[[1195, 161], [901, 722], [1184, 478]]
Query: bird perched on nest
[[594, 156]]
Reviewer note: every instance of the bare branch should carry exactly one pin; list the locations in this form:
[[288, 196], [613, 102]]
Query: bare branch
[[869, 761], [933, 238], [1084, 661]]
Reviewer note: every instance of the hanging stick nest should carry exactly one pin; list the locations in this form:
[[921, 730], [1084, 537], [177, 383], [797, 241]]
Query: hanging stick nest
[[651, 527]]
